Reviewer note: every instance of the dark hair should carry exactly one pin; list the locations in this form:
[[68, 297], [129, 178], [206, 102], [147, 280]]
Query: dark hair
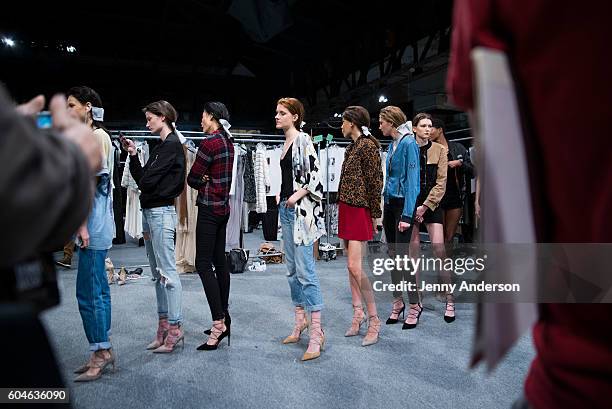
[[295, 107], [84, 94], [419, 117], [437, 123], [359, 116], [163, 108], [217, 110]]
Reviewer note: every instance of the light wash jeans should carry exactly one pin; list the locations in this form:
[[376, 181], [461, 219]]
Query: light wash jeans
[[160, 225], [94, 299], [301, 274]]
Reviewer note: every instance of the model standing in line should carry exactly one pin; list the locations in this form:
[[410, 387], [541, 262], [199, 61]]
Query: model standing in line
[[302, 221], [211, 176], [160, 181], [459, 167], [94, 238], [85, 104], [359, 192], [433, 165], [400, 194]]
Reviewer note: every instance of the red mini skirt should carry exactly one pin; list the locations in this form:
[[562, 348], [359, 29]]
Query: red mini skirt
[[354, 223]]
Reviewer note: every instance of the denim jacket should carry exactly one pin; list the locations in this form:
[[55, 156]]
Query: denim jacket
[[100, 222], [403, 175]]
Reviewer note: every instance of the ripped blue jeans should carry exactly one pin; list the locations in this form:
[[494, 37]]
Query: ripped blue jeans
[[158, 227]]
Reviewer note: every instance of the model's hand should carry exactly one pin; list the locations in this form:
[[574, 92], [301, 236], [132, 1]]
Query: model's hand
[[128, 145], [403, 226], [420, 212], [455, 163], [83, 234]]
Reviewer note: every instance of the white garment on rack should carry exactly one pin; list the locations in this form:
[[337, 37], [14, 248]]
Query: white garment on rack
[[133, 212], [336, 157], [234, 223], [274, 171], [143, 155], [262, 182], [237, 151]]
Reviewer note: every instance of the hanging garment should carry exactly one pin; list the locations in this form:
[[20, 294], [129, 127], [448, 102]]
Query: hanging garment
[[332, 213], [234, 171], [187, 216], [118, 197], [331, 163], [262, 181], [274, 171], [234, 223], [250, 194], [133, 212]]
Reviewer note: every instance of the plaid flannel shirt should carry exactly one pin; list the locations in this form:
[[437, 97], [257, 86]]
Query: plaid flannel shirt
[[211, 173]]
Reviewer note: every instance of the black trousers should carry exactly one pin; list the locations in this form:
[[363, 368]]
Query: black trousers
[[210, 251], [398, 243]]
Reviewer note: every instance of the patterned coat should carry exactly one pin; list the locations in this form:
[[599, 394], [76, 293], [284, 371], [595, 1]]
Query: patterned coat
[[361, 180], [309, 220]]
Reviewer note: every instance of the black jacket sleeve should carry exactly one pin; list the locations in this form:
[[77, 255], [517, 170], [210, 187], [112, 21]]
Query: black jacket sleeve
[[467, 167], [45, 187], [157, 166]]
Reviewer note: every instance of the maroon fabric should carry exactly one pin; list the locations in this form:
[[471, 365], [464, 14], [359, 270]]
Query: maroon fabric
[[560, 55], [214, 159], [354, 223]]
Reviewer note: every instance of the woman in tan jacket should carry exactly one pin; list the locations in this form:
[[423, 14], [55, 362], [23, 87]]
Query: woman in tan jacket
[[433, 164], [359, 195]]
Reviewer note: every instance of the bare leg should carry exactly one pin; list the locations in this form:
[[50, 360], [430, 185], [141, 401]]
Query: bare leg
[[451, 220], [436, 233], [358, 314], [354, 278]]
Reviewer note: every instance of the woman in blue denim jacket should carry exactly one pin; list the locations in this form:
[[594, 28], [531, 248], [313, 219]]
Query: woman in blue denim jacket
[[400, 194], [94, 238]]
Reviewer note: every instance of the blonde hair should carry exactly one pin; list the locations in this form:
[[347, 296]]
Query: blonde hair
[[394, 115]]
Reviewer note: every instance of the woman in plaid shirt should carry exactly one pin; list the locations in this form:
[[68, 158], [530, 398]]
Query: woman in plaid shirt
[[211, 176]]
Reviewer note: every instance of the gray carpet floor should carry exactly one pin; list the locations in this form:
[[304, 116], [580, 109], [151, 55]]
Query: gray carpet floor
[[426, 367]]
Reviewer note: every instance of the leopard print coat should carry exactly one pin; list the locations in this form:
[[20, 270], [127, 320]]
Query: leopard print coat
[[361, 180]]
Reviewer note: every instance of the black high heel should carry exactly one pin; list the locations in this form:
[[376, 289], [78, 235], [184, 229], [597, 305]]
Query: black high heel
[[411, 326], [228, 323], [396, 320], [207, 347]]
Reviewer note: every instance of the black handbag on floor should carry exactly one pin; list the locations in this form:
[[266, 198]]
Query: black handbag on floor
[[237, 260]]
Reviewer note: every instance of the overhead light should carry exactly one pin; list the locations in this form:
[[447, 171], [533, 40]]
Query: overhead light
[[8, 41], [71, 49], [382, 98]]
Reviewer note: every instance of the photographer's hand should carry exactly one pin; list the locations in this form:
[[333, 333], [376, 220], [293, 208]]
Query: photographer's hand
[[32, 107]]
